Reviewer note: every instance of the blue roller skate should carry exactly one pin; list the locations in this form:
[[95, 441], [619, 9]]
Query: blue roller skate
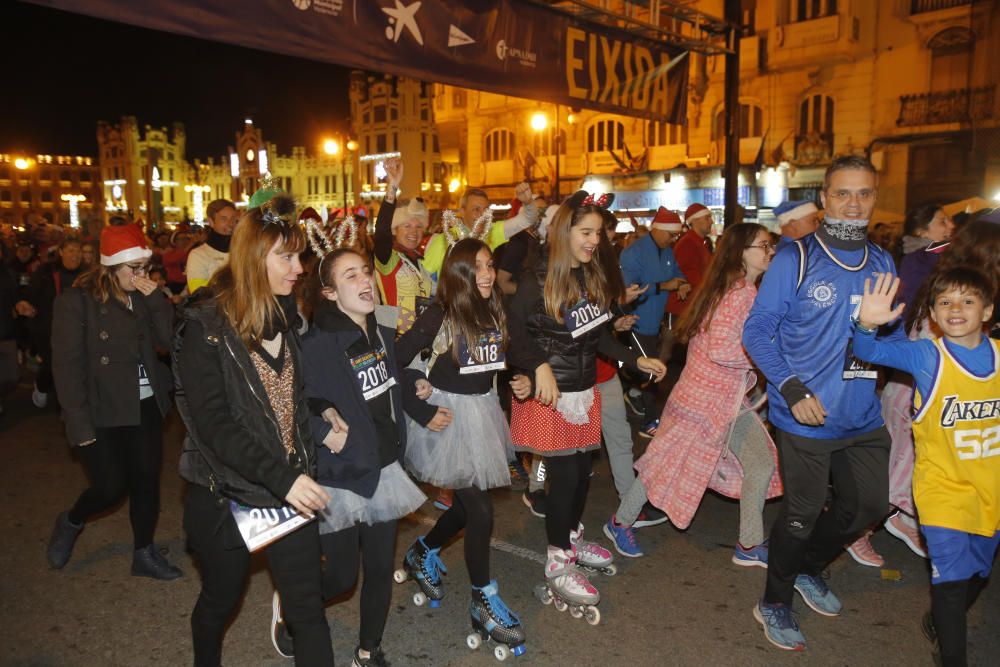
[[423, 565], [492, 620]]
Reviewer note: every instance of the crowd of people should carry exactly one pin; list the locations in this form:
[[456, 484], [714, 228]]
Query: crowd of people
[[322, 371]]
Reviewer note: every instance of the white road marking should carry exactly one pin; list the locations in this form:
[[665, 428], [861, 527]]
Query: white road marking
[[499, 545]]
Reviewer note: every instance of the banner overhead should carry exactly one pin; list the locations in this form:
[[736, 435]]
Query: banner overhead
[[510, 47]]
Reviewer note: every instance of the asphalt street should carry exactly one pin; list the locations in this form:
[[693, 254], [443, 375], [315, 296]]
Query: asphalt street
[[684, 603]]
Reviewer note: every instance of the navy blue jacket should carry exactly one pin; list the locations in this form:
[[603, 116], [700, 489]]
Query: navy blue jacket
[[329, 379]]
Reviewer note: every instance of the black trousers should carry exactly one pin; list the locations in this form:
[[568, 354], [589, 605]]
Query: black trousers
[[950, 602], [805, 538], [569, 481], [375, 547], [294, 561], [648, 346], [125, 459], [471, 509]]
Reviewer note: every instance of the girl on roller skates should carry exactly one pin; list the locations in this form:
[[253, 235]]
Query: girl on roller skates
[[560, 319], [466, 330], [351, 366]]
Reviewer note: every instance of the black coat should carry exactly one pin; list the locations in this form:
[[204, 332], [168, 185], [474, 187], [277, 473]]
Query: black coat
[[97, 348], [233, 444], [330, 379]]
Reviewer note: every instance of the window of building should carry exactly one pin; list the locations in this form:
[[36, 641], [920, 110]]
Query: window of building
[[751, 122], [437, 146], [368, 145], [547, 142], [605, 135], [423, 172], [666, 134], [47, 197], [806, 10], [458, 99], [498, 145], [4, 195], [26, 196], [951, 52], [5, 173], [170, 158], [395, 141], [380, 143], [816, 115], [393, 112], [288, 184], [425, 112], [378, 113], [423, 142], [45, 175], [65, 176]]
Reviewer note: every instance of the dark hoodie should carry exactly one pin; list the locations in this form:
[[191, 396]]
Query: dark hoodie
[[337, 353]]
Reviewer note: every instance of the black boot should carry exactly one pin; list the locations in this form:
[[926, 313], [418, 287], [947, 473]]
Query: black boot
[[147, 562], [61, 543]]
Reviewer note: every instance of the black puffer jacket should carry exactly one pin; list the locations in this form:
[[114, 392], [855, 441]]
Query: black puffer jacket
[[537, 338], [233, 445]]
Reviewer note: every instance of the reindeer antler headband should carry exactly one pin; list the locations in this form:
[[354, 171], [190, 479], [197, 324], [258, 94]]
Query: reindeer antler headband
[[455, 230]]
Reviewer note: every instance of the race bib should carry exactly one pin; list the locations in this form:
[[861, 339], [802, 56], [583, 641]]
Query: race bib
[[854, 368], [583, 317], [420, 304], [260, 526], [488, 349], [372, 372]]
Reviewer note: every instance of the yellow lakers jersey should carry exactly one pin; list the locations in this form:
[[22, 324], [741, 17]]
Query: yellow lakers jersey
[[956, 430]]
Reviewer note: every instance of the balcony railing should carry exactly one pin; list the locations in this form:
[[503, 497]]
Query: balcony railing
[[921, 6], [948, 106]]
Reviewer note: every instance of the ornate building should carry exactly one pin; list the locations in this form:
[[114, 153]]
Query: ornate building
[[55, 189]]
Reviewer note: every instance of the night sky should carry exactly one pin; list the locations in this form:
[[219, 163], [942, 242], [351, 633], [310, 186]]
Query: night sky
[[64, 72]]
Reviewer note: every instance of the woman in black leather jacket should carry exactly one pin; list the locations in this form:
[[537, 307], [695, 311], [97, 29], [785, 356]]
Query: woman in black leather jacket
[[249, 453]]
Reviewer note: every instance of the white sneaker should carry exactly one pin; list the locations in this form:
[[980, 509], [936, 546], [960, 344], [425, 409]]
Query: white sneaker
[[566, 580], [38, 398], [589, 554]]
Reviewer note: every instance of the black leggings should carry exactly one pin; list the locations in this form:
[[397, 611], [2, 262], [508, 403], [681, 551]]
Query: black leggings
[[471, 509], [375, 547], [569, 481], [125, 459], [294, 561], [949, 603]]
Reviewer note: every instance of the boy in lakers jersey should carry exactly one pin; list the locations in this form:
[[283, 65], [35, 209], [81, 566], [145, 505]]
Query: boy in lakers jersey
[[956, 432]]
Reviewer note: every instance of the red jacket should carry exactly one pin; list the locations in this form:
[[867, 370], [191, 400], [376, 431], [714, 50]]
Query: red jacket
[[693, 255]]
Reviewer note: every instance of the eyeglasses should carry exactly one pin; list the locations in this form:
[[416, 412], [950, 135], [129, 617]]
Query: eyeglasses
[[765, 246], [138, 268], [844, 195]]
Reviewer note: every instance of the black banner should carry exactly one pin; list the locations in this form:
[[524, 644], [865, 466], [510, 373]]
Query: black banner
[[510, 47]]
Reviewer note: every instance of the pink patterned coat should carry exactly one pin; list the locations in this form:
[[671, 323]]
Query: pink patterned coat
[[689, 453]]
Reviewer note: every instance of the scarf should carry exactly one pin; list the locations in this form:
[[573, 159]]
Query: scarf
[[218, 241], [843, 234]]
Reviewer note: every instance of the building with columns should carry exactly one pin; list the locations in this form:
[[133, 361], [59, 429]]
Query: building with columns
[[910, 83], [50, 189]]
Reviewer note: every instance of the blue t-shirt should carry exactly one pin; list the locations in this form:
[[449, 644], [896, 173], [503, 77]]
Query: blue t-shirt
[[645, 263], [801, 327]]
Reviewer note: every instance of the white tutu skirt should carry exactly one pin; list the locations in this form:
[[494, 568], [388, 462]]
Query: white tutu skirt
[[474, 450], [395, 496]]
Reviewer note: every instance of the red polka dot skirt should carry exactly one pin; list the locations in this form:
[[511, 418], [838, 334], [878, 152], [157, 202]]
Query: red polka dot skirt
[[540, 429]]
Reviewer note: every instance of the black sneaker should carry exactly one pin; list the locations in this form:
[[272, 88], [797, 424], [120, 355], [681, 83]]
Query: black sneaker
[[634, 405], [535, 500], [376, 658], [280, 636], [649, 516], [149, 562], [61, 543]]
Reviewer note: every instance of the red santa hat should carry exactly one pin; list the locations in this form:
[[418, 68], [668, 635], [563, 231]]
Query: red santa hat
[[309, 213], [123, 244], [695, 211], [666, 220]]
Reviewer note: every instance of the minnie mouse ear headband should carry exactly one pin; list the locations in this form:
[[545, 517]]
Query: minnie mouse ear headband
[[584, 198]]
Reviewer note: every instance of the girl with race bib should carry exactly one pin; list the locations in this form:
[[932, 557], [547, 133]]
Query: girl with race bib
[[560, 319], [351, 366], [466, 329]]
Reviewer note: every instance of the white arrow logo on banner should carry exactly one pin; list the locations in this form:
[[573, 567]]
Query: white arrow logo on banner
[[457, 38]]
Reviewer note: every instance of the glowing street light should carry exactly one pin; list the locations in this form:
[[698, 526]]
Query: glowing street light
[[74, 210], [539, 121], [331, 147], [21, 163], [198, 200], [454, 185]]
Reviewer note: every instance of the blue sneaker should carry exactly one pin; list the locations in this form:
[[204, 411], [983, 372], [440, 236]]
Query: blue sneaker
[[623, 537], [818, 595], [752, 557], [779, 626], [648, 429]]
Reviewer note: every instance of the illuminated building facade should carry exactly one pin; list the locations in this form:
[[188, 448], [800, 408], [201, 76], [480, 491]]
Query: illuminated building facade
[[47, 188]]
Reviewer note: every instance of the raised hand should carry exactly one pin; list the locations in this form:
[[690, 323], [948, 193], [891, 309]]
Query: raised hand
[[523, 193], [876, 304], [394, 171]]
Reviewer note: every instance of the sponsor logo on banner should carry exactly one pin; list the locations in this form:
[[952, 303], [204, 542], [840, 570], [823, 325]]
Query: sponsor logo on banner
[[403, 18], [302, 4], [330, 7], [523, 56], [457, 38]]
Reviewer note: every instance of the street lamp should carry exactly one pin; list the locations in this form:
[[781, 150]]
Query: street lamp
[[22, 163], [539, 123], [332, 147], [197, 200], [74, 211]]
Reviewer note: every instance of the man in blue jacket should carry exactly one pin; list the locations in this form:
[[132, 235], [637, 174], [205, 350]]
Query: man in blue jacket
[[650, 263], [822, 399]]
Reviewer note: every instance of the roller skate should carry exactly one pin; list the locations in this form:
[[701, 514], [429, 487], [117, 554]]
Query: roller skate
[[568, 588], [423, 565], [591, 556], [492, 620]]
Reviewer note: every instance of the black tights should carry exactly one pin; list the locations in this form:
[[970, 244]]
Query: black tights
[[375, 546], [471, 509], [949, 603], [569, 481], [125, 459]]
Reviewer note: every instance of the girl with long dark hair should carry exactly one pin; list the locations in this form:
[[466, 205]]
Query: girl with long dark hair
[[559, 319], [248, 451], [707, 416], [114, 393], [466, 329]]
